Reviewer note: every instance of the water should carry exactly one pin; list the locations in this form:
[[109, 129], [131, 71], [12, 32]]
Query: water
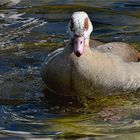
[[29, 30]]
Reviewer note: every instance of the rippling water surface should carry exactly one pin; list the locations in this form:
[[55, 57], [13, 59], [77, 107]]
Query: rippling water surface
[[29, 30]]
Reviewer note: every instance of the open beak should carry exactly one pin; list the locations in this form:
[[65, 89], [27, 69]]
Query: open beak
[[78, 45]]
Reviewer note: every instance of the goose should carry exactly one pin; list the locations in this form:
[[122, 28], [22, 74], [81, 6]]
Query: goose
[[85, 67]]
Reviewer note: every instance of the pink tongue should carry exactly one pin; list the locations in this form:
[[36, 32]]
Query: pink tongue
[[78, 46]]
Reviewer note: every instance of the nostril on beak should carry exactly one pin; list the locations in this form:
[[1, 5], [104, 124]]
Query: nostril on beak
[[77, 53]]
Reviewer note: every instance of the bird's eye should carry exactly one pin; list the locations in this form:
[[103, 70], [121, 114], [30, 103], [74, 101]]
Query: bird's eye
[[71, 25], [86, 24]]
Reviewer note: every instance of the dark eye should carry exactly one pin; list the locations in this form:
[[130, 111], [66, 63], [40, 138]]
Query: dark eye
[[81, 42], [86, 24], [71, 25]]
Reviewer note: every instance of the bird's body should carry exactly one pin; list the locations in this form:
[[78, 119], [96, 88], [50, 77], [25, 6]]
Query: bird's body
[[82, 70]]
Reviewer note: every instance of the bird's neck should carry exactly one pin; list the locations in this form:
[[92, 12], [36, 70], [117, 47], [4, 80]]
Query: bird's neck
[[87, 42]]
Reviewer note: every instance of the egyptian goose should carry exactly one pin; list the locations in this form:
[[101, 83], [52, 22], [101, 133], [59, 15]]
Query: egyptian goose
[[78, 69]]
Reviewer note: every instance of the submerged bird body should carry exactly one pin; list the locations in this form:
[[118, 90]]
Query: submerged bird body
[[93, 72], [80, 70]]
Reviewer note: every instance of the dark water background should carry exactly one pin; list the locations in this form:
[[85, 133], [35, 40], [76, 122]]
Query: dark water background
[[29, 30]]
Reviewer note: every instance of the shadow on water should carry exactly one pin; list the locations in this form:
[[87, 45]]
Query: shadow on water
[[28, 32]]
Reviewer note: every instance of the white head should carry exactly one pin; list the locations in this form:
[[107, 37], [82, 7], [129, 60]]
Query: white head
[[80, 28]]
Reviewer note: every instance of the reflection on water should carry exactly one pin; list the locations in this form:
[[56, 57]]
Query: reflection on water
[[29, 30]]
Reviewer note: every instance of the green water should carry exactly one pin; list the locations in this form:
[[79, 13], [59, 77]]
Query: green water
[[29, 30]]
